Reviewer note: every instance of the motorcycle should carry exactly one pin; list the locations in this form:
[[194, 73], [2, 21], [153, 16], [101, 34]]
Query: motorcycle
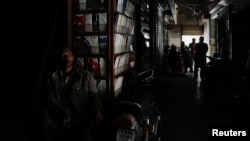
[[136, 122]]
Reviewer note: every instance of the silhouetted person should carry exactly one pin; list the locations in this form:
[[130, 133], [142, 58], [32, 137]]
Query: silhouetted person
[[200, 58], [165, 58], [174, 60], [71, 108], [191, 47], [185, 56]]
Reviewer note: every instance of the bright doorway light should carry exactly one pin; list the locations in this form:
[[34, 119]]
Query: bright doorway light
[[188, 38]]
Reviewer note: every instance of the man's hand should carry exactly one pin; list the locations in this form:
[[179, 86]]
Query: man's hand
[[46, 121]]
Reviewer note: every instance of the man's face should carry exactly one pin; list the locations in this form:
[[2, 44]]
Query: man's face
[[67, 57]]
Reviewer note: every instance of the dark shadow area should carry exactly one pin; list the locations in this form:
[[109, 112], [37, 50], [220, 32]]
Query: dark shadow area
[[187, 106], [27, 28]]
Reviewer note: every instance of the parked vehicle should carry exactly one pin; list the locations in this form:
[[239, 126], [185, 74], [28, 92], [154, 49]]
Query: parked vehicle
[[136, 122]]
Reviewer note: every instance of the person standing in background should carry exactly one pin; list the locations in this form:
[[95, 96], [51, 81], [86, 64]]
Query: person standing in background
[[185, 56], [191, 47], [201, 49], [174, 60]]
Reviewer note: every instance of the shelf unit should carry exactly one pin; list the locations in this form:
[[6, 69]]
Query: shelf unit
[[144, 50], [103, 36]]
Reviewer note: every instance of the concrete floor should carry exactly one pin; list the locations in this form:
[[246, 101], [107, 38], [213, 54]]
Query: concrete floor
[[187, 114]]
